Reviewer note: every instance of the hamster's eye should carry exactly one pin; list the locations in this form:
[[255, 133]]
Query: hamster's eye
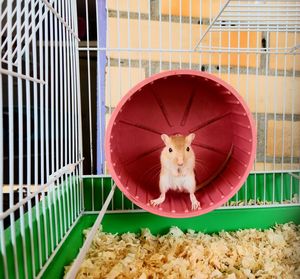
[[187, 149], [170, 150]]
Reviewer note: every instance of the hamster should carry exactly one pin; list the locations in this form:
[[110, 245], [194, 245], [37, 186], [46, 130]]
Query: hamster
[[177, 168]]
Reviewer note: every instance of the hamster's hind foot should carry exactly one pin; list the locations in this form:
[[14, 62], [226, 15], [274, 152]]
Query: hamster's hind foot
[[195, 203], [158, 201]]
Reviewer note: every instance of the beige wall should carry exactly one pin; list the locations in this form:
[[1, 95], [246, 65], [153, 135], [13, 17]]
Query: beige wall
[[122, 5], [287, 145], [264, 94], [118, 82], [141, 34], [271, 94], [166, 5], [192, 7], [283, 40], [272, 166], [267, 93]]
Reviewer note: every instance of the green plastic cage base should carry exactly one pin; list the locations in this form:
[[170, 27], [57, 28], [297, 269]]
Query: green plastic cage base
[[37, 211], [218, 220], [221, 219]]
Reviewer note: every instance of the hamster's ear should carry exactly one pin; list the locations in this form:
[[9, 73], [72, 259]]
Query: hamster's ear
[[190, 138], [165, 138]]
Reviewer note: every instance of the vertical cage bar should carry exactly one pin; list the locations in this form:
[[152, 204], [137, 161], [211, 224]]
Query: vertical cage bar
[[129, 40], [89, 93], [109, 83], [200, 34], [78, 110], [21, 142], [57, 191], [160, 34], [283, 114], [238, 79], [180, 33], [76, 190], [190, 34], [210, 36], [48, 133], [275, 119], [74, 176], [220, 44], [11, 136], [78, 193], [170, 34], [67, 182], [53, 108], [247, 100], [42, 130], [2, 235], [256, 108], [75, 185], [119, 72], [28, 132], [62, 119], [149, 37], [293, 118], [119, 54], [36, 135], [64, 180], [70, 177], [140, 39], [229, 56], [266, 118]]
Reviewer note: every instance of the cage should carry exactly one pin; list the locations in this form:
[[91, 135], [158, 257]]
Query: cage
[[65, 65]]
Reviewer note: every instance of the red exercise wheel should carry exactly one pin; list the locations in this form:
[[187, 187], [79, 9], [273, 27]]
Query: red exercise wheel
[[181, 102]]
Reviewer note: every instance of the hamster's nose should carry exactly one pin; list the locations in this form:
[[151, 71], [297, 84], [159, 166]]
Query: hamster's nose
[[180, 163]]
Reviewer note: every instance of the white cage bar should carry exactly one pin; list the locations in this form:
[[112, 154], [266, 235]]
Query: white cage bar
[[36, 37], [257, 16]]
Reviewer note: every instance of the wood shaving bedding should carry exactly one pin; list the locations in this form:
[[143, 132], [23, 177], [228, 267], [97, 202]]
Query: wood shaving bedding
[[272, 253], [295, 199]]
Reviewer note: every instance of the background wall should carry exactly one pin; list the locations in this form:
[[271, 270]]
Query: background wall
[[164, 32]]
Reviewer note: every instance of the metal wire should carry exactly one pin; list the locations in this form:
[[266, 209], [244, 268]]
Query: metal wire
[[264, 16], [38, 81], [2, 235]]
